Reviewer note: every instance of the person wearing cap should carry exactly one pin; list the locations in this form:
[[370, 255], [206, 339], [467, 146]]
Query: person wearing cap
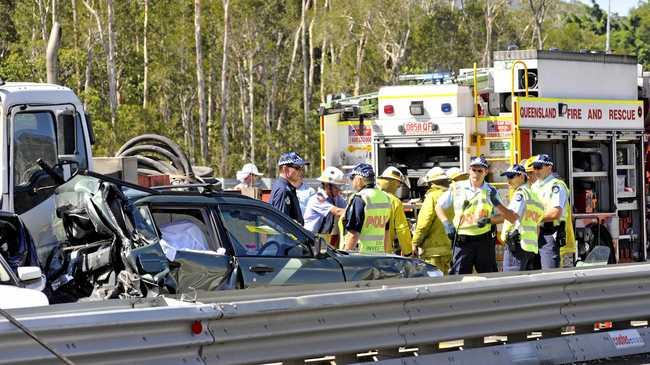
[[399, 231], [556, 241], [367, 214], [283, 191], [521, 235], [327, 205], [429, 234], [247, 176], [474, 202]]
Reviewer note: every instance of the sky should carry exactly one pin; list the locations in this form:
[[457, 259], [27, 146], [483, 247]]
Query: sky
[[622, 7]]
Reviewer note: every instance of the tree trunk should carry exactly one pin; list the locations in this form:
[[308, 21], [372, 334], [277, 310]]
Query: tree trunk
[[224, 92], [43, 19], [145, 50], [361, 49], [487, 52], [89, 66], [294, 52], [54, 12], [52, 54], [110, 63], [539, 11], [271, 101], [76, 43], [305, 64], [323, 60], [243, 104], [251, 106], [200, 81], [310, 43]]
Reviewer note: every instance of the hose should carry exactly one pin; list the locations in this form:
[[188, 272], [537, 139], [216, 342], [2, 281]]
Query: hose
[[165, 143], [141, 149], [155, 165]]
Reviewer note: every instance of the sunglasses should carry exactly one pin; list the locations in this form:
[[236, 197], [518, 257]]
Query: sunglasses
[[296, 167], [477, 170], [538, 167]]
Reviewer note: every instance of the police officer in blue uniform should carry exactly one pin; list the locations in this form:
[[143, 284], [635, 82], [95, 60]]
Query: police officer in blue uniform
[[474, 203], [283, 191], [555, 195]]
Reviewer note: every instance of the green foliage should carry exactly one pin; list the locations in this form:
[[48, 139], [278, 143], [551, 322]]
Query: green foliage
[[440, 37]]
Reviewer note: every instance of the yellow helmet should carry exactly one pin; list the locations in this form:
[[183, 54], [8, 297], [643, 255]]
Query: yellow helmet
[[435, 174], [528, 164], [456, 174]]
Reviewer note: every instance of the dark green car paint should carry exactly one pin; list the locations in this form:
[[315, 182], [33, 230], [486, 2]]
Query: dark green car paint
[[224, 265]]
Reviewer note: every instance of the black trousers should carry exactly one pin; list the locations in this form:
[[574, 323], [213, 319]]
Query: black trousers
[[474, 252]]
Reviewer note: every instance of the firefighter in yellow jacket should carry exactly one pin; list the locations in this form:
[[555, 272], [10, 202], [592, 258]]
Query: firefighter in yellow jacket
[[430, 235], [399, 232]]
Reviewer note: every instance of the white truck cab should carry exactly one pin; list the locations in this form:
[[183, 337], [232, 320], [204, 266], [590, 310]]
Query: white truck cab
[[47, 122]]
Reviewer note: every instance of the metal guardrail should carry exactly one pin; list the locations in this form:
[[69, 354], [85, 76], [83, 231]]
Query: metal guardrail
[[394, 321], [111, 332]]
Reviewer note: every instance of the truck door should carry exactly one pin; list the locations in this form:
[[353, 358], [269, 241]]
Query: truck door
[[272, 250], [41, 133]]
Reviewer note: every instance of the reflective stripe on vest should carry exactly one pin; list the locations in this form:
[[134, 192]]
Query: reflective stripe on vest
[[465, 219], [529, 223], [376, 215], [544, 191]]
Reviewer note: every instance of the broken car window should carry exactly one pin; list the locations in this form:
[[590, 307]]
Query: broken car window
[[182, 228]]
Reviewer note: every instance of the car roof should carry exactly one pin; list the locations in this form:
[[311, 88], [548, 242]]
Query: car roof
[[194, 198]]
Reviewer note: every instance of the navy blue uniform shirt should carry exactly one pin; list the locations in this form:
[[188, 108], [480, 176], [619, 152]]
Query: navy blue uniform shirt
[[284, 199], [354, 215]]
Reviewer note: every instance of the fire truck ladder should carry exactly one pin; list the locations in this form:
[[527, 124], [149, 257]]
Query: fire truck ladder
[[514, 137]]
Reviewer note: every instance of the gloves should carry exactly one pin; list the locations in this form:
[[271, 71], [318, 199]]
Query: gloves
[[493, 196], [450, 230], [482, 222]]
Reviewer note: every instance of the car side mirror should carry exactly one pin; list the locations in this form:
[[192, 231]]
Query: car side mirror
[[320, 246], [32, 277], [27, 273]]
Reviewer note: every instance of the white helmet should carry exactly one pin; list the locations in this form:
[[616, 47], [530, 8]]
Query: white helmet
[[435, 174], [332, 175], [393, 173]]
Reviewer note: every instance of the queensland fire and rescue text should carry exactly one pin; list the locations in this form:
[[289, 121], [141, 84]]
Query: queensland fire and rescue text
[[579, 113]]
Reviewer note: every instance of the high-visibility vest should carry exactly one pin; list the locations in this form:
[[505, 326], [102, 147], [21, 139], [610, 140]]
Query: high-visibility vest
[[545, 188], [529, 223], [479, 206], [376, 215], [544, 191]]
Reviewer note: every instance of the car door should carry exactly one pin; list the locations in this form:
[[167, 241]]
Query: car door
[[198, 261], [272, 250]]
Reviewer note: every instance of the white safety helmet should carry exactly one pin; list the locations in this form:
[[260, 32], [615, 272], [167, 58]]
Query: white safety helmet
[[435, 174], [393, 173], [332, 175]]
